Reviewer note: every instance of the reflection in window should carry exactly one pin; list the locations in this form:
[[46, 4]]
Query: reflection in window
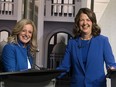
[[3, 36], [56, 48], [59, 37], [62, 37]]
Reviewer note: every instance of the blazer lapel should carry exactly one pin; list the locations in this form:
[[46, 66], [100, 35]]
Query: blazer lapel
[[91, 51], [79, 55]]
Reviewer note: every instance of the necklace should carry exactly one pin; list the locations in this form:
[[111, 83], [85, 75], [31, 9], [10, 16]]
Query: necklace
[[88, 38], [84, 43]]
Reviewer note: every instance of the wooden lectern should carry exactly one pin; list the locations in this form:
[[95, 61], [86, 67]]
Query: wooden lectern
[[29, 78], [112, 75]]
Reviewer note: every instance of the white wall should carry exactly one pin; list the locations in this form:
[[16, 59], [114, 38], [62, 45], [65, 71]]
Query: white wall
[[108, 24], [108, 27], [99, 7]]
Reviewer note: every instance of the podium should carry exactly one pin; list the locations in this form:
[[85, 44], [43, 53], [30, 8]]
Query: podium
[[112, 75], [29, 78]]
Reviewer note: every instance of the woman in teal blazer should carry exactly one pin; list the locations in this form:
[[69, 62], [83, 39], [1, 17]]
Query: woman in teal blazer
[[87, 52]]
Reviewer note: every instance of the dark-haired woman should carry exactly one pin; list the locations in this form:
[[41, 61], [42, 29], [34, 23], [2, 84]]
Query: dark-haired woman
[[87, 52]]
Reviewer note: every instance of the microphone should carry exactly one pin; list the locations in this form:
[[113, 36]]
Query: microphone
[[35, 65], [38, 67]]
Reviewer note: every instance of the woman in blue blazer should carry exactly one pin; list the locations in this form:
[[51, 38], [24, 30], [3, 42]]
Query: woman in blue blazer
[[87, 52], [18, 53]]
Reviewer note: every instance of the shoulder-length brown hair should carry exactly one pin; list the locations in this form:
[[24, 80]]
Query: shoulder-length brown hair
[[96, 30]]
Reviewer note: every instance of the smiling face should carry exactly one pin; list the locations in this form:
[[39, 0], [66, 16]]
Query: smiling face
[[26, 33], [85, 24]]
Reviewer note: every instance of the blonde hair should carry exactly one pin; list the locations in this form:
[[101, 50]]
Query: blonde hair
[[17, 29]]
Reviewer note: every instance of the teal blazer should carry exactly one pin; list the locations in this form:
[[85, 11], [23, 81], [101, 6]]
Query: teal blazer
[[93, 75]]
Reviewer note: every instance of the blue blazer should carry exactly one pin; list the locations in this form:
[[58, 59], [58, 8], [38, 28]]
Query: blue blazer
[[93, 75], [14, 57]]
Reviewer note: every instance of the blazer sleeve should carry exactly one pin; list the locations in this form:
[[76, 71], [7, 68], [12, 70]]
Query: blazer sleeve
[[66, 62], [108, 54], [8, 58]]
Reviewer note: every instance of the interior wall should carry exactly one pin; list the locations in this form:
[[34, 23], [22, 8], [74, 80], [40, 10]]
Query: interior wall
[[7, 25], [108, 27], [108, 24]]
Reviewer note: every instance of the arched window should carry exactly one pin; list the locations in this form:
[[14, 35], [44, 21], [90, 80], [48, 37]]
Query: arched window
[[4, 35], [59, 37]]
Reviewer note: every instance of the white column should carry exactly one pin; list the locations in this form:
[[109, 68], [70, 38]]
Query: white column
[[70, 8], [39, 56], [19, 9], [2, 6], [89, 3], [65, 7], [55, 6], [10, 5], [59, 6], [6, 5]]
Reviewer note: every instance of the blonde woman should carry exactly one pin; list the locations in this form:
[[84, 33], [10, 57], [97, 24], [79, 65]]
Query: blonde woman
[[18, 53]]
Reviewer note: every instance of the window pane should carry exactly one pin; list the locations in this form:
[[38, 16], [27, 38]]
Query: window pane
[[3, 35], [62, 37], [52, 40]]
